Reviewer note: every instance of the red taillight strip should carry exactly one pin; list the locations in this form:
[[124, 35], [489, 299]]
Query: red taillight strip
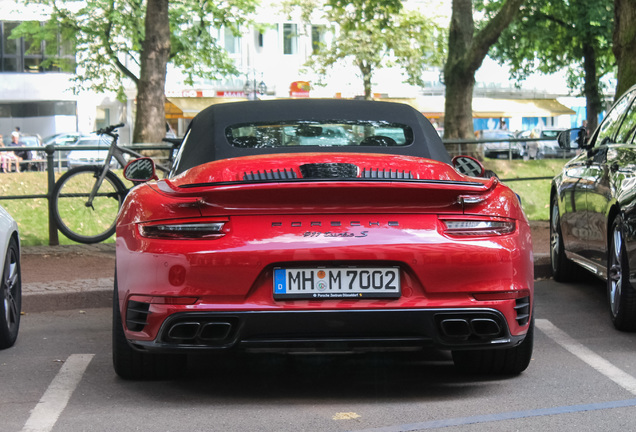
[[208, 230], [478, 227]]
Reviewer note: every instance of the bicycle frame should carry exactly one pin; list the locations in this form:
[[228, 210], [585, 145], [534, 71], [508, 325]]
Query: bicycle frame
[[117, 152]]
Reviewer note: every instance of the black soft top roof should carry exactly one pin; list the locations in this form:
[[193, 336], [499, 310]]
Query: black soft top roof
[[206, 137]]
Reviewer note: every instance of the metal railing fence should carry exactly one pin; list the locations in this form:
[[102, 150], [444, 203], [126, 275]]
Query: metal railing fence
[[51, 168], [50, 150]]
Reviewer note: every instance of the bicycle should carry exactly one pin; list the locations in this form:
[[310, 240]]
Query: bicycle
[[86, 199]]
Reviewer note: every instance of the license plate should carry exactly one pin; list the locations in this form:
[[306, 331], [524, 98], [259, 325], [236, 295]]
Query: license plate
[[336, 283]]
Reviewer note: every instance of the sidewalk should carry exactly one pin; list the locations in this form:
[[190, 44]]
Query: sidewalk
[[81, 276], [67, 277]]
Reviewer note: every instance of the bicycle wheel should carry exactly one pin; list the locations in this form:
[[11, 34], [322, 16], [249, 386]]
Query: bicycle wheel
[[76, 219]]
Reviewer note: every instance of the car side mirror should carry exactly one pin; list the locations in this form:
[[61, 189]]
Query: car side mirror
[[571, 138], [469, 166], [140, 170]]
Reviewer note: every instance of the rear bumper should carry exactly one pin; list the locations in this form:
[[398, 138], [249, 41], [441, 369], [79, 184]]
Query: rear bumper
[[333, 331]]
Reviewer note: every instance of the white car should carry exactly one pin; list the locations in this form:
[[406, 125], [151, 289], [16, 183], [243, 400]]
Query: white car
[[11, 280], [77, 158]]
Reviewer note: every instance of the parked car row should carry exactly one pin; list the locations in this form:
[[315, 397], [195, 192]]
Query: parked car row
[[73, 158], [505, 144], [501, 149], [548, 148]]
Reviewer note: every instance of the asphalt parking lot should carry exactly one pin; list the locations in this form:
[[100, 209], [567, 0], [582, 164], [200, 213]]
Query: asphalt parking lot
[[59, 377]]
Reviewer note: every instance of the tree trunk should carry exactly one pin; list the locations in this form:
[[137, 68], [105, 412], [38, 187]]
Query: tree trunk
[[150, 121], [466, 52], [458, 113], [367, 76], [625, 44], [591, 90]]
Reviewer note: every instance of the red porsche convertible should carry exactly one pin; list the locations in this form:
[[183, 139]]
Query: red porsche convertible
[[320, 225]]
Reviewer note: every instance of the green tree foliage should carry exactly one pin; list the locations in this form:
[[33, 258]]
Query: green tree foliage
[[373, 35], [111, 37], [551, 35]]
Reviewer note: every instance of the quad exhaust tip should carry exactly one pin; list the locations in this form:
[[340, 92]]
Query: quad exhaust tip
[[200, 331], [460, 328]]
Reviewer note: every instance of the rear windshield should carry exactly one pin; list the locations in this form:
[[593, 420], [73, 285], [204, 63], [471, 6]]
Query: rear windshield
[[323, 134]]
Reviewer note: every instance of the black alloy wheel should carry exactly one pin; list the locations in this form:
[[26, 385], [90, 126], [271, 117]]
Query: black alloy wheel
[[620, 293], [11, 303], [562, 268]]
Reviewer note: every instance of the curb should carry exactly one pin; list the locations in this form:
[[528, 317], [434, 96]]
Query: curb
[[542, 266], [65, 295], [98, 293]]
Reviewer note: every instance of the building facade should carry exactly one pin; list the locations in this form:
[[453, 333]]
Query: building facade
[[271, 57]]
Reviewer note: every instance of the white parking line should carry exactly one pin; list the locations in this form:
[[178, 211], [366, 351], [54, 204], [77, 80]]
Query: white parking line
[[54, 400], [617, 375]]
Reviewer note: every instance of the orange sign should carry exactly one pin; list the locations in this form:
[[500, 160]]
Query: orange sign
[[299, 89]]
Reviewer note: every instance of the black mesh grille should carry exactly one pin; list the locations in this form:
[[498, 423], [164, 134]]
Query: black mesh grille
[[137, 315], [278, 174], [522, 308], [385, 174]]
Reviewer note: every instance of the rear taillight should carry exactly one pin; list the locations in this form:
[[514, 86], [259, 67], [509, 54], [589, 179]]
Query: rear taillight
[[478, 227], [189, 230]]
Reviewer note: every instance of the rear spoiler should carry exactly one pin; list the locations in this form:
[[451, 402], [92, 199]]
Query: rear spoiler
[[331, 196]]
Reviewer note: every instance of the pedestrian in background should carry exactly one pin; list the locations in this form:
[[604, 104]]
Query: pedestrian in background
[[533, 146], [9, 158], [586, 130]]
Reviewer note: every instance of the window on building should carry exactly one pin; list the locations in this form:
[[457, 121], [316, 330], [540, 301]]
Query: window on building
[[10, 49], [102, 118], [38, 109], [26, 55], [259, 38], [317, 37], [232, 42], [290, 38]]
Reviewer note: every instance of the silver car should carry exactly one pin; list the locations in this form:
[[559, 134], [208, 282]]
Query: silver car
[[500, 149], [77, 158]]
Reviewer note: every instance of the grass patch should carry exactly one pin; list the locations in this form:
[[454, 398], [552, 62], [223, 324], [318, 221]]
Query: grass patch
[[535, 194], [32, 215]]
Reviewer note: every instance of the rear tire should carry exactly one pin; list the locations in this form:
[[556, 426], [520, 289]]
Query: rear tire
[[506, 361], [11, 300], [76, 220], [562, 267], [131, 364], [621, 294]]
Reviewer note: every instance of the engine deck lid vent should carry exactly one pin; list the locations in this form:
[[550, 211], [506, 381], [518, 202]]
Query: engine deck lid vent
[[378, 173], [278, 174]]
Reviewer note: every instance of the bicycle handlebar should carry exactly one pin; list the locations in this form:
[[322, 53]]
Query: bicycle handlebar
[[109, 129]]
